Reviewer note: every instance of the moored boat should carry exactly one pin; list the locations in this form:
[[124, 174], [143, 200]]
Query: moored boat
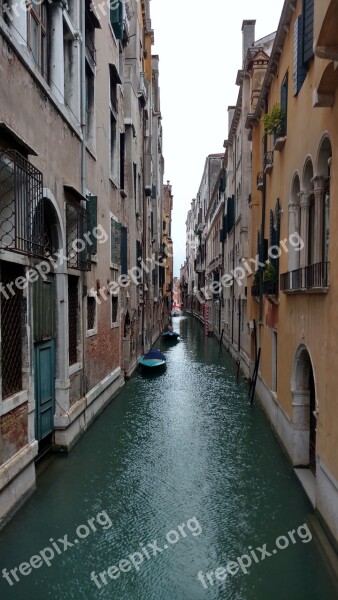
[[170, 336], [153, 360]]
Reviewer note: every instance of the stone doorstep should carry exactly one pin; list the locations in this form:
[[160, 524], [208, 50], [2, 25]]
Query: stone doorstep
[[308, 481]]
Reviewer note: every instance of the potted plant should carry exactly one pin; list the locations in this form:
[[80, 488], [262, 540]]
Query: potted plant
[[270, 279], [273, 121]]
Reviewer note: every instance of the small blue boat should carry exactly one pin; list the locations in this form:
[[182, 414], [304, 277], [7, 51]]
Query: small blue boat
[[171, 336], [153, 360]]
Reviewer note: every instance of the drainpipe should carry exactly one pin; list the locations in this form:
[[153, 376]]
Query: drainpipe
[[83, 170]]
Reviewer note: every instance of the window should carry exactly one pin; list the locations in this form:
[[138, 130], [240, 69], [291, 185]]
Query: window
[[90, 105], [135, 184], [312, 231], [308, 20], [73, 313], [116, 18], [115, 242], [37, 35], [299, 71], [92, 222], [115, 80], [77, 223], [124, 250], [11, 333], [122, 159], [118, 246], [114, 309], [284, 103], [91, 313]]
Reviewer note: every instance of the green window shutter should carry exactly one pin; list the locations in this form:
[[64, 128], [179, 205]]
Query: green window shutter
[[92, 213], [308, 20], [299, 71], [116, 18], [124, 250], [284, 102]]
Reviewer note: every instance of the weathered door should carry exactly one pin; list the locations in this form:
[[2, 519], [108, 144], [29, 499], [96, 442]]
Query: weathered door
[[44, 388], [44, 355]]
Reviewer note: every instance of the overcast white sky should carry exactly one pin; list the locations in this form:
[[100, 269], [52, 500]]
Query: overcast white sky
[[200, 48]]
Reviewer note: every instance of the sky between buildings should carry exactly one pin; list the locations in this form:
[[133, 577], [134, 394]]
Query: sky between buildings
[[200, 48]]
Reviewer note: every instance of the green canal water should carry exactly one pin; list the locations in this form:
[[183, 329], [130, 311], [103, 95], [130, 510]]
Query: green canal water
[[179, 463]]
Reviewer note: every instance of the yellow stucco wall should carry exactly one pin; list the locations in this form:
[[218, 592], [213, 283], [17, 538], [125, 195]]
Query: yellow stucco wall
[[309, 319]]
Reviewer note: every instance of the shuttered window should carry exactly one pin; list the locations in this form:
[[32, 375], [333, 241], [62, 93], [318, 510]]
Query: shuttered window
[[299, 72], [124, 250], [122, 159], [308, 20], [115, 242], [92, 224], [116, 18], [284, 102]]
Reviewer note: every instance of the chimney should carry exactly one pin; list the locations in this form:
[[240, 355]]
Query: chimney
[[248, 33]]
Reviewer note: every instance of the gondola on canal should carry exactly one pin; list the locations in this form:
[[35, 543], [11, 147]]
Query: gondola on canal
[[170, 336], [153, 361]]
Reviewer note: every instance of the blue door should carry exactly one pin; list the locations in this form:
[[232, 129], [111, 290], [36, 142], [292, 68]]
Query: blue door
[[44, 388], [44, 350]]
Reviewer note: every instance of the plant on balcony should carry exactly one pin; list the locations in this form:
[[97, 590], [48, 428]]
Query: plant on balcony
[[270, 274], [273, 121]]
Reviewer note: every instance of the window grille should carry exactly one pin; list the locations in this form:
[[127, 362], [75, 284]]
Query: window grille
[[73, 310], [21, 205], [11, 331]]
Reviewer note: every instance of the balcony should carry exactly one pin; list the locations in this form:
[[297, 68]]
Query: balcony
[[280, 139], [260, 180], [311, 279], [21, 206], [268, 162]]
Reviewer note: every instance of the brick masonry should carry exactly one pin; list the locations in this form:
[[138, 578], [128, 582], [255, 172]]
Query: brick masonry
[[13, 432]]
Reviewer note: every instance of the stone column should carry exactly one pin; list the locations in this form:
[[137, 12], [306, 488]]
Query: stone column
[[293, 228], [319, 190], [56, 58], [304, 226]]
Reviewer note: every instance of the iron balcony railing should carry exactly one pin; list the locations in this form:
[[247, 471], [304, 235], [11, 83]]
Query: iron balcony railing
[[312, 277], [21, 205]]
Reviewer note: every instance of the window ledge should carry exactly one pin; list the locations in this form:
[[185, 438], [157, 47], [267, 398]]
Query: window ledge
[[113, 182], [314, 290], [13, 402], [280, 143], [91, 332], [75, 368], [114, 326], [268, 169], [93, 258]]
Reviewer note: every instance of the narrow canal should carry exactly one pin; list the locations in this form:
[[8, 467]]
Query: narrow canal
[[178, 476]]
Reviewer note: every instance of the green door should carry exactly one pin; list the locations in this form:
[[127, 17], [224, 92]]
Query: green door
[[44, 388], [44, 356]]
